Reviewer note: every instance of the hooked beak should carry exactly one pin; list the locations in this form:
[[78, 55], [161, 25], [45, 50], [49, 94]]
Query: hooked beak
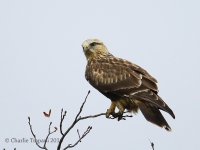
[[85, 48]]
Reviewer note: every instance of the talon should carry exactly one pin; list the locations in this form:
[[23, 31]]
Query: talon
[[111, 110], [108, 113], [115, 115], [119, 116]]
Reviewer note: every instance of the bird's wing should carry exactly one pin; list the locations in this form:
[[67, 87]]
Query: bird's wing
[[123, 78], [115, 74]]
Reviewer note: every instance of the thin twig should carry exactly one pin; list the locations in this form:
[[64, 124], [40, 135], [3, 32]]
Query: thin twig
[[62, 118], [34, 135], [78, 134], [73, 124], [49, 133], [152, 144], [84, 134], [102, 114], [81, 108], [91, 116]]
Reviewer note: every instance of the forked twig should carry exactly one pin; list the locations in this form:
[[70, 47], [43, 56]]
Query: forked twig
[[36, 141], [73, 124], [29, 120], [80, 138], [62, 118]]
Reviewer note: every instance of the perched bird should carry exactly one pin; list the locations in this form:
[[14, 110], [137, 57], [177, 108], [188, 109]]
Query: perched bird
[[127, 85]]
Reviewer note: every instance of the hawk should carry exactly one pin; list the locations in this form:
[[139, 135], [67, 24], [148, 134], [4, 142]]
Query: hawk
[[128, 86]]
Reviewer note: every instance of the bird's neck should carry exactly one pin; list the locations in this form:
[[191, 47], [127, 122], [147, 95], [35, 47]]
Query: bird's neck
[[97, 55]]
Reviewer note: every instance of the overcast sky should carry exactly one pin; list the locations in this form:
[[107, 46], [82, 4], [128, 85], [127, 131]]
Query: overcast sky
[[42, 66]]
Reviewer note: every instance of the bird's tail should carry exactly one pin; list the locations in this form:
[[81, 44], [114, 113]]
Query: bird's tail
[[152, 114]]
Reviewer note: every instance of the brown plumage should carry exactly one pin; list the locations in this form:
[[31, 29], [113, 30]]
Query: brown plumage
[[127, 85]]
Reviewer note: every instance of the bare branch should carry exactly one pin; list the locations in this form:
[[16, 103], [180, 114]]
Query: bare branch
[[73, 124], [62, 118], [84, 134], [34, 135], [49, 133], [78, 134], [102, 114], [77, 119], [36, 141], [81, 108], [91, 116], [152, 144]]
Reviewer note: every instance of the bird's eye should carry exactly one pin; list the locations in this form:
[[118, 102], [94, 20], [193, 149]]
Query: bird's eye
[[93, 44]]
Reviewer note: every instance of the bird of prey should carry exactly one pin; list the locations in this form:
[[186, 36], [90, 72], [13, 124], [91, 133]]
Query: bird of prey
[[128, 86]]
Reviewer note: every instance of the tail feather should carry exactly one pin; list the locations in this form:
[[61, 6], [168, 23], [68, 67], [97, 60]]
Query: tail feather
[[152, 98], [152, 114]]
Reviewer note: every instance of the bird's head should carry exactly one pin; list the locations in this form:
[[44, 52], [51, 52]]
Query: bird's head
[[94, 49]]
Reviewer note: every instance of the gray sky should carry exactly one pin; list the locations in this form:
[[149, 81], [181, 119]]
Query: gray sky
[[42, 66]]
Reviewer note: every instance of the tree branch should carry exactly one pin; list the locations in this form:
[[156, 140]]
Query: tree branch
[[73, 124], [76, 120], [49, 133], [36, 141], [152, 144], [62, 118], [34, 135], [80, 138], [78, 134]]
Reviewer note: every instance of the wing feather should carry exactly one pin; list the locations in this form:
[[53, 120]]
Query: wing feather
[[112, 74]]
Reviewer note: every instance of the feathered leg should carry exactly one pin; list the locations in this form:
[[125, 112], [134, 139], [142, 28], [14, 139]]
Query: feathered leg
[[111, 110]]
